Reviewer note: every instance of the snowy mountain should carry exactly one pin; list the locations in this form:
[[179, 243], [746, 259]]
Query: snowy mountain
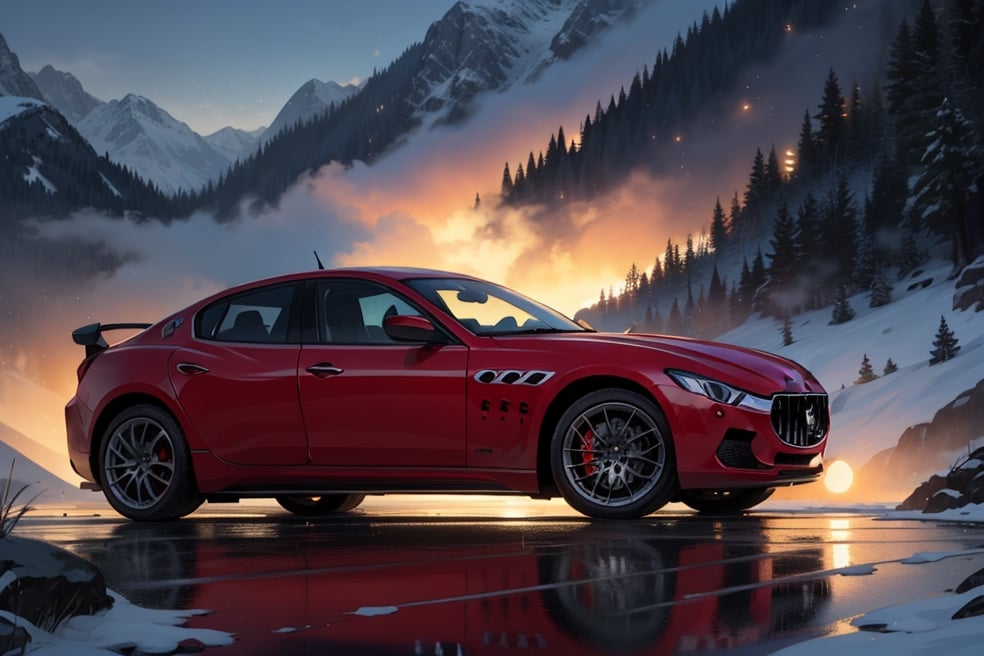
[[156, 146], [13, 80], [481, 45], [234, 143], [65, 93], [312, 99], [50, 169]]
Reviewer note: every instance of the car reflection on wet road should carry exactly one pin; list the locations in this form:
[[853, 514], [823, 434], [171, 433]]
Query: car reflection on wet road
[[395, 579]]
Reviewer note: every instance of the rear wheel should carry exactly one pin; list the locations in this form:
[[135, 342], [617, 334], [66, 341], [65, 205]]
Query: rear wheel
[[324, 505], [145, 466], [724, 501], [612, 455]]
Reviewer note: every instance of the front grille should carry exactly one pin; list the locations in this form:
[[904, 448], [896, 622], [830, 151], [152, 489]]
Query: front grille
[[800, 419]]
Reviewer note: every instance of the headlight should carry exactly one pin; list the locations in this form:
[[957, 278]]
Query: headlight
[[718, 391]]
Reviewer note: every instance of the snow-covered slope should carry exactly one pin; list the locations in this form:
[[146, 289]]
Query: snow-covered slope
[[32, 421], [869, 418], [233, 142], [13, 80], [483, 45], [313, 98], [159, 148], [65, 93], [11, 106]]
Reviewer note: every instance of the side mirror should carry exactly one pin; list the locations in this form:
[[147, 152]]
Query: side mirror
[[408, 328]]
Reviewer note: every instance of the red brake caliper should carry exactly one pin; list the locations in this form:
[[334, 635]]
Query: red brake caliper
[[588, 457]]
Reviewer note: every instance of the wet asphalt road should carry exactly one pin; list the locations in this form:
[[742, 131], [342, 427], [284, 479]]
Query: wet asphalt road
[[411, 575]]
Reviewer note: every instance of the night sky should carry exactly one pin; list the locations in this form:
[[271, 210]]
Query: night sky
[[217, 62]]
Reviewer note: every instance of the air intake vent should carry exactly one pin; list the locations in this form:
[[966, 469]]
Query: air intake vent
[[800, 419]]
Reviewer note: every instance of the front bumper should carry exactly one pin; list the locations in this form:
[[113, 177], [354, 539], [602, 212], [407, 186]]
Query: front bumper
[[726, 447]]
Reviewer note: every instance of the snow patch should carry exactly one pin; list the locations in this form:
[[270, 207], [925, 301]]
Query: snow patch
[[857, 570], [123, 627]]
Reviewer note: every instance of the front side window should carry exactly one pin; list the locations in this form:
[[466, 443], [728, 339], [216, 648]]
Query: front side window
[[353, 311], [261, 316], [487, 309]]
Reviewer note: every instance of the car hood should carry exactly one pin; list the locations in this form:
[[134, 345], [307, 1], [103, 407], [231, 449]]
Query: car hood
[[749, 369]]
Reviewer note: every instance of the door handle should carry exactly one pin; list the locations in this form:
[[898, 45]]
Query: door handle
[[191, 369], [324, 369]]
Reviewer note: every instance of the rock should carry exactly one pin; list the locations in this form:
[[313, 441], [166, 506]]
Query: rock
[[945, 499], [46, 585], [921, 495], [13, 639], [970, 287], [973, 608], [975, 580]]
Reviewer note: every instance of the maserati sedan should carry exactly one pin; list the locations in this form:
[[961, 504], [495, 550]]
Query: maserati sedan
[[319, 388]]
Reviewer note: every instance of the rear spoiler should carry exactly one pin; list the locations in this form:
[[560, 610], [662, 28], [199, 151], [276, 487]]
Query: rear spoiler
[[90, 336]]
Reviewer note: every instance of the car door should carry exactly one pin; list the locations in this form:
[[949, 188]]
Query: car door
[[369, 401], [237, 381]]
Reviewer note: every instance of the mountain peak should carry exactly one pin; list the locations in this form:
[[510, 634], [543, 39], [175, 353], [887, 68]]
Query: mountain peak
[[481, 45], [314, 97], [155, 145], [13, 80], [65, 93]]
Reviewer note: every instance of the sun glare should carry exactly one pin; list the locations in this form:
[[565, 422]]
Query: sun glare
[[839, 477]]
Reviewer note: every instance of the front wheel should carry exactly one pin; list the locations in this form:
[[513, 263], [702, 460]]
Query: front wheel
[[145, 466], [324, 505], [727, 502], [612, 455]]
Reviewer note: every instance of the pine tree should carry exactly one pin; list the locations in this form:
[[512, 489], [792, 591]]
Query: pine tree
[[890, 367], [911, 257], [881, 292], [867, 373], [674, 323], [806, 151], [945, 345], [756, 189], [787, 331], [782, 268], [942, 193], [507, 183], [719, 227], [831, 135], [842, 308], [864, 258]]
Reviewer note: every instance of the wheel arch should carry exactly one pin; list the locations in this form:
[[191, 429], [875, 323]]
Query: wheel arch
[[110, 411], [561, 401]]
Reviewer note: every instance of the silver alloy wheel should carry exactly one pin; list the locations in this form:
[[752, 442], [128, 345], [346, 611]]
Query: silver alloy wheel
[[614, 454], [138, 465]]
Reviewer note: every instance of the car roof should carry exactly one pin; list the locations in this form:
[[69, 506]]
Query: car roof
[[392, 273]]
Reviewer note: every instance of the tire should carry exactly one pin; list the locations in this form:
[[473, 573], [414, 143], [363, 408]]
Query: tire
[[724, 502], [612, 455], [145, 467], [612, 595], [316, 506]]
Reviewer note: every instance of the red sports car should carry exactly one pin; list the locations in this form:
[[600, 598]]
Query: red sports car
[[319, 388]]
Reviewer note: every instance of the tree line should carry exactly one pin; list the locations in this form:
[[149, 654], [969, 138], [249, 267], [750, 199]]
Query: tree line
[[916, 137]]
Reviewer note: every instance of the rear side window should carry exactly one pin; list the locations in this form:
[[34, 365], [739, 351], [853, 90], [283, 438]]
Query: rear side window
[[260, 317]]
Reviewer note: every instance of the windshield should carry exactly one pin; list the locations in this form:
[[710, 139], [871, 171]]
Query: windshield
[[487, 309]]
